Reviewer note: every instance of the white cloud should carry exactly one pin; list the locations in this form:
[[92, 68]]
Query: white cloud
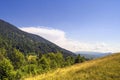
[[59, 37]]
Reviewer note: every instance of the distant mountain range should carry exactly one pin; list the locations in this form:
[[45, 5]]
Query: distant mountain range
[[12, 37], [92, 55]]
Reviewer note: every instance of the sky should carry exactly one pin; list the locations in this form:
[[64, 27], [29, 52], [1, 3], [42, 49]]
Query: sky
[[76, 25]]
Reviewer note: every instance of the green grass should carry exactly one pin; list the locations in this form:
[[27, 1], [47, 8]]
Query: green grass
[[106, 68]]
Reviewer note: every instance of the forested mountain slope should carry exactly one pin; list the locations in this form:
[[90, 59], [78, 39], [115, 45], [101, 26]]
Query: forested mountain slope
[[12, 37]]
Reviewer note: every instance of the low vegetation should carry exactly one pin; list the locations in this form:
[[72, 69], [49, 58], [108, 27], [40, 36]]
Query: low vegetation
[[106, 68], [14, 65]]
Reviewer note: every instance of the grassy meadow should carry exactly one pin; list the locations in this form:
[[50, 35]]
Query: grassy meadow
[[106, 68]]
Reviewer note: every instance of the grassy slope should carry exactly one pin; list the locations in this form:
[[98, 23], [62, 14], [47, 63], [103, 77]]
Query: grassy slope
[[106, 68]]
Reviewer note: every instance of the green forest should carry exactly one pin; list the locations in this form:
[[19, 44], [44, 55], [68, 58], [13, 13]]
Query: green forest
[[14, 65]]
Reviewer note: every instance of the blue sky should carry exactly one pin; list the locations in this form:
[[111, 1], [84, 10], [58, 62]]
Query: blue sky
[[88, 21]]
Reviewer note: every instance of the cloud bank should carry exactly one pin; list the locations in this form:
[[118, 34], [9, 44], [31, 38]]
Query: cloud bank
[[59, 37]]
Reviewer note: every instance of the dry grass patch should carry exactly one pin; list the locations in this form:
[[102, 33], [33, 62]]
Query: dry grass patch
[[107, 68]]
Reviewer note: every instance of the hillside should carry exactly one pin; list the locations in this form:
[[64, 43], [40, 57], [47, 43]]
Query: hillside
[[12, 37], [106, 68]]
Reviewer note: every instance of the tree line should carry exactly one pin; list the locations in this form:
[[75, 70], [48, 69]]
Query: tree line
[[14, 65]]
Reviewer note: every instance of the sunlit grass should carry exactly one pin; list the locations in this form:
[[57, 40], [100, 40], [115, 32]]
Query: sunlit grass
[[107, 68]]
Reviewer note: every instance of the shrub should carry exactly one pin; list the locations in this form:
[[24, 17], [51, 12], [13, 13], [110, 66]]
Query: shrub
[[6, 70]]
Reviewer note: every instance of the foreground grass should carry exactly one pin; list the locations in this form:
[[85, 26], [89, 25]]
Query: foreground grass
[[107, 68]]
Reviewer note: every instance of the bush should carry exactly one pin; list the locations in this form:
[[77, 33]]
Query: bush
[[69, 61], [79, 59], [17, 58], [6, 70], [43, 62], [28, 70], [18, 75]]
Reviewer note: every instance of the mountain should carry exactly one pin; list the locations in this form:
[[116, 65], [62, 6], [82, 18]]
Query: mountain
[[12, 37], [92, 55], [106, 68]]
